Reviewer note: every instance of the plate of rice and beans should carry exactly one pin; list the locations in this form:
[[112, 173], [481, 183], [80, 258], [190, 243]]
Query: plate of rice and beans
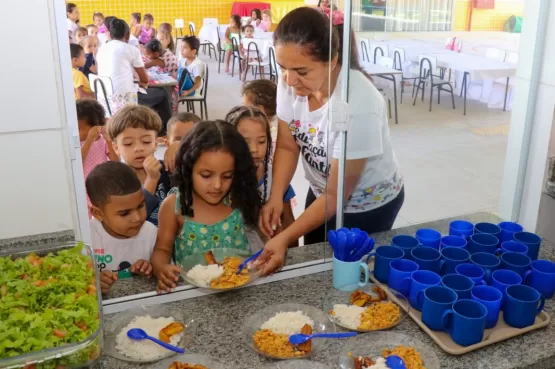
[[190, 361]]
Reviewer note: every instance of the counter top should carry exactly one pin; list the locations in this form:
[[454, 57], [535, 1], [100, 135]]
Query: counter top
[[221, 317]]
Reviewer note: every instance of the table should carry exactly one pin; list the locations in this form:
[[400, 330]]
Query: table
[[385, 73], [244, 9]]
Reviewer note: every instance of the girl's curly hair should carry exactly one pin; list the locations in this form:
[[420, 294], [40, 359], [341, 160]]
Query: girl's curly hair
[[215, 136]]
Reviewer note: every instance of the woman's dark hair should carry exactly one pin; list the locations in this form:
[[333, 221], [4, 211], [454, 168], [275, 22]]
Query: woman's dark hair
[[108, 22], [91, 111], [236, 115], [137, 17], [192, 41], [75, 50], [149, 17], [155, 46], [70, 7], [237, 20], [118, 29], [214, 136], [262, 92], [258, 13]]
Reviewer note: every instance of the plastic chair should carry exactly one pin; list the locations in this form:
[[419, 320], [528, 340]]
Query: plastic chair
[[105, 91], [199, 97], [258, 63], [428, 64], [236, 56], [496, 54], [398, 60]]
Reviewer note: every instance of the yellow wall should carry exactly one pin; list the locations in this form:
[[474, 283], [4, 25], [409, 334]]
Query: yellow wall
[[486, 19]]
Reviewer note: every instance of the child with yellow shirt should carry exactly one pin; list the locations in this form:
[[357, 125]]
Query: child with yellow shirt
[[80, 82]]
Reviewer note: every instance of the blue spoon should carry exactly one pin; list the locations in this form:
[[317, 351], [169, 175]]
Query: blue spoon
[[395, 362], [297, 339], [139, 334], [248, 260]]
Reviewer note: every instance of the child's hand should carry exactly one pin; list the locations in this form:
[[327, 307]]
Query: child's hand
[[168, 277], [104, 134], [152, 168], [142, 267], [107, 279], [169, 156], [93, 133]]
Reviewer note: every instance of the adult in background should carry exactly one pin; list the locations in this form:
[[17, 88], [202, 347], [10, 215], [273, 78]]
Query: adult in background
[[310, 84]]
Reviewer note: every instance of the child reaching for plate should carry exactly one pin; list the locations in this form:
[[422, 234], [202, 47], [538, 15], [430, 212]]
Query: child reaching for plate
[[122, 239], [216, 202]]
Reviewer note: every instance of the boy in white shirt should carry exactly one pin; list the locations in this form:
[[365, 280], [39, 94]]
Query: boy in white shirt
[[122, 239], [189, 50]]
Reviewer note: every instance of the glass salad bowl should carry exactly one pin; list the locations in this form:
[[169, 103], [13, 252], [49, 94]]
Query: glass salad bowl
[[192, 359]]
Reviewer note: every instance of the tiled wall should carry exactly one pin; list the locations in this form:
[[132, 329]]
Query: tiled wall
[[486, 19]]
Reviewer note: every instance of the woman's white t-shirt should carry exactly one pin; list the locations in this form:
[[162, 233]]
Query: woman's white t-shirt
[[367, 137]]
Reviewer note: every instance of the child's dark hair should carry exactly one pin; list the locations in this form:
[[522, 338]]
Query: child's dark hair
[[192, 41], [133, 116], [237, 20], [112, 178], [137, 17], [149, 17], [258, 13], [236, 115], [75, 50], [213, 136], [182, 117], [155, 46], [262, 92], [70, 7], [91, 111], [98, 14], [248, 26]]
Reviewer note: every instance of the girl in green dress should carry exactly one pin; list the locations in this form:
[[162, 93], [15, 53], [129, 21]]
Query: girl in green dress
[[234, 30], [215, 203]]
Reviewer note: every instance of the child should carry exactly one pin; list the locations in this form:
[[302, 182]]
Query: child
[[121, 239], [256, 17], [133, 130], [105, 37], [96, 146], [266, 23], [79, 34], [216, 201], [179, 125], [251, 54], [80, 82], [190, 62], [92, 30], [159, 57], [90, 45], [166, 39], [253, 125], [98, 20], [147, 32], [135, 24], [72, 14], [234, 30]]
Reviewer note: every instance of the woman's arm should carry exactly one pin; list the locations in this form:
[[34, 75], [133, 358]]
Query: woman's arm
[[155, 63], [287, 218]]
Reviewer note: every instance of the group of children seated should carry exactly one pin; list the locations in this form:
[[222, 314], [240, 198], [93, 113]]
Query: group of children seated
[[147, 214]]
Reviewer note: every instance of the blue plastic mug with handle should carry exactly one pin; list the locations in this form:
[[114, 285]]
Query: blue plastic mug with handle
[[382, 257], [427, 258], [513, 246], [488, 228], [429, 237], [508, 229], [400, 271], [491, 298], [420, 280], [405, 243], [451, 257], [482, 242], [461, 284], [532, 241], [461, 228], [519, 263], [347, 273], [502, 279], [522, 304], [465, 322], [472, 271], [433, 302], [453, 241], [487, 261], [541, 277]]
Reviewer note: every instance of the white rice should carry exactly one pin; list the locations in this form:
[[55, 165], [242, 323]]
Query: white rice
[[145, 349], [202, 275], [348, 315], [287, 323], [380, 364]]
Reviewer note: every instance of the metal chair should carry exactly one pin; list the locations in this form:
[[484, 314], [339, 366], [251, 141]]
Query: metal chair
[[364, 46], [273, 64], [236, 50], [179, 24], [203, 43], [221, 51], [258, 64], [428, 64], [106, 89], [200, 97], [398, 59], [382, 49]]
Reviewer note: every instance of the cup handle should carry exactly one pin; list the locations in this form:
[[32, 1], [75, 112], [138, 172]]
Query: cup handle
[[420, 299], [370, 256], [445, 320], [364, 267], [441, 265], [526, 276], [542, 303]]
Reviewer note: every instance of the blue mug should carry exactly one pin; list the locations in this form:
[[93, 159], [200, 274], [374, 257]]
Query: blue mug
[[541, 276], [519, 263], [405, 243], [347, 273], [487, 261], [508, 229], [488, 228], [482, 242], [491, 298], [433, 302], [461, 284], [400, 271], [461, 228], [532, 241], [472, 271], [429, 237], [465, 322], [419, 281], [521, 306], [513, 246], [502, 279], [451, 257], [382, 257], [453, 241], [427, 258]]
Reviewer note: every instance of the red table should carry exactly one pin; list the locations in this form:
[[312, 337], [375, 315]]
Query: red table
[[244, 9]]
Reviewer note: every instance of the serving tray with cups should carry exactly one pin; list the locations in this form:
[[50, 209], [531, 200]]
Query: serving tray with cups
[[477, 286]]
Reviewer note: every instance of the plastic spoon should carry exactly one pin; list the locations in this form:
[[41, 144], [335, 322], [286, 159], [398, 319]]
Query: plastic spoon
[[395, 362], [297, 339], [139, 334], [248, 260]]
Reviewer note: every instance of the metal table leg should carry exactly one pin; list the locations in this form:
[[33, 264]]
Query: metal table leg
[[395, 98], [465, 88], [506, 92]]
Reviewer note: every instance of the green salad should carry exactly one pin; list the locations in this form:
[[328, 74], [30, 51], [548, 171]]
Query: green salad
[[47, 302]]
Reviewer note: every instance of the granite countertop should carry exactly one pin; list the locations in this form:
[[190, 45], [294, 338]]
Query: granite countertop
[[221, 316]]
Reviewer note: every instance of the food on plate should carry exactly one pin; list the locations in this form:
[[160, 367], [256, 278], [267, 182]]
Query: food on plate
[[47, 302], [202, 275], [146, 349], [361, 298], [410, 357], [210, 258], [273, 336], [170, 330], [219, 276], [379, 315], [178, 365]]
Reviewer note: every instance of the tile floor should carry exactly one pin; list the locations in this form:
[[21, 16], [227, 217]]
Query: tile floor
[[452, 164]]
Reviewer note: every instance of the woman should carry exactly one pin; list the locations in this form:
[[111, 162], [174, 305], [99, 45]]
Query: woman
[[373, 186]]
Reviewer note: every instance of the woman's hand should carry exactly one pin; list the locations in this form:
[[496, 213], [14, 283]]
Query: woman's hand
[[270, 216], [273, 256]]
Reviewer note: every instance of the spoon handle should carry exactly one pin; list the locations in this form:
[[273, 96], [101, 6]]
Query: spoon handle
[[248, 260], [334, 335], [173, 348]]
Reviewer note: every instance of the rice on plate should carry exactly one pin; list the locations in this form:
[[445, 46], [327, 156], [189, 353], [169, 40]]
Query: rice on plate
[[202, 275], [288, 323]]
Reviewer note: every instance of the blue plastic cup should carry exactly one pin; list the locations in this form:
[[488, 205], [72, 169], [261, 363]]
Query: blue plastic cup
[[400, 271], [491, 298], [541, 276], [532, 240], [461, 228], [420, 280], [453, 241], [472, 271], [451, 257], [513, 246], [406, 243], [482, 242], [502, 279], [427, 258], [508, 229], [434, 301], [382, 257], [522, 304], [465, 322], [519, 263], [488, 228], [487, 261], [429, 237], [347, 273], [461, 284]]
